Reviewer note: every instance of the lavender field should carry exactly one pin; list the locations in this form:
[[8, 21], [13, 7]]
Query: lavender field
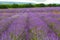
[[30, 24]]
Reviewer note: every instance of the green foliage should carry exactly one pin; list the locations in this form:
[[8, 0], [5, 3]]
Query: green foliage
[[58, 5], [15, 6], [25, 6], [4, 6], [52, 5], [40, 5]]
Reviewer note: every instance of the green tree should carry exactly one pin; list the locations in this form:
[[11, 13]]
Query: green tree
[[40, 5], [51, 5], [15, 6], [3, 6]]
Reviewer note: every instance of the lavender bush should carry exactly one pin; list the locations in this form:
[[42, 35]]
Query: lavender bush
[[28, 25]]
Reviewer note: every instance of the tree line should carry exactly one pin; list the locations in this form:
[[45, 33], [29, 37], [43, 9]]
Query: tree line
[[2, 6]]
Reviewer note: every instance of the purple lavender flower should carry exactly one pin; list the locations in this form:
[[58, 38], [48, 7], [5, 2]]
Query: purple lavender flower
[[30, 25]]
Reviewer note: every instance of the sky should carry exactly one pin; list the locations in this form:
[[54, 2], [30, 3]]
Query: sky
[[34, 1]]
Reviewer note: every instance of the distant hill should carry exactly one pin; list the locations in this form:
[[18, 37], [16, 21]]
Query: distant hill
[[15, 2]]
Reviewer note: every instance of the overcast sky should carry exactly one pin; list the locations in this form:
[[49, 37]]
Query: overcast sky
[[35, 1]]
